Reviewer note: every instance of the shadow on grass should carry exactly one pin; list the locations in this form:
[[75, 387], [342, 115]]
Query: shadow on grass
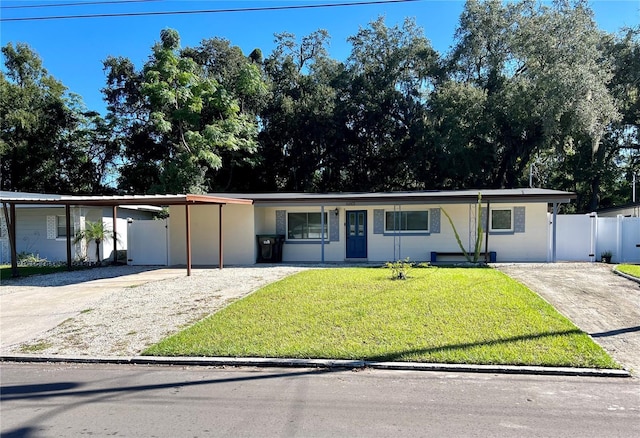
[[399, 355]]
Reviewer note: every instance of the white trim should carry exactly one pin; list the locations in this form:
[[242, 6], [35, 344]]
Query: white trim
[[501, 230], [388, 232], [318, 239]]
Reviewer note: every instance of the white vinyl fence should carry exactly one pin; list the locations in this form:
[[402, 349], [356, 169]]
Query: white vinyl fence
[[583, 237], [148, 242]]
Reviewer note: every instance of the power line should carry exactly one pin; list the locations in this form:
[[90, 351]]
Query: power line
[[55, 5], [209, 11]]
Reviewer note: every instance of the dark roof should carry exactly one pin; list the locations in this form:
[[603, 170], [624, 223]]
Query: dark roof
[[413, 197], [341, 198]]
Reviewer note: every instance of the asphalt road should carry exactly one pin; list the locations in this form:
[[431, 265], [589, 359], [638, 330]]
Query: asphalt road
[[49, 400]]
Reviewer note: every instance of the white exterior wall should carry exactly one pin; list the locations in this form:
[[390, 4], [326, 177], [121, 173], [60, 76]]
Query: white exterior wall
[[32, 236], [527, 246], [530, 246], [299, 251], [238, 235]]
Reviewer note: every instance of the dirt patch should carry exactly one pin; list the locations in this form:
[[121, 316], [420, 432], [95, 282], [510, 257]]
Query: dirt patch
[[599, 302]]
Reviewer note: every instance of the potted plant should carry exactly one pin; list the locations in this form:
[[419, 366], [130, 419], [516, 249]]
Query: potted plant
[[605, 256]]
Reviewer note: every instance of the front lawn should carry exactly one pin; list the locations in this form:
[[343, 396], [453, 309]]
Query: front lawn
[[633, 270], [445, 315]]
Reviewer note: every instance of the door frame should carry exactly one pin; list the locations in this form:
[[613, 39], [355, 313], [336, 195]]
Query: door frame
[[363, 236]]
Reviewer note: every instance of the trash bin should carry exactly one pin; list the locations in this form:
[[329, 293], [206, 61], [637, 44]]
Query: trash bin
[[270, 248]]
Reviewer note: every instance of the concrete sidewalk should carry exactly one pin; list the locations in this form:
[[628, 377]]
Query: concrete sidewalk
[[28, 310]]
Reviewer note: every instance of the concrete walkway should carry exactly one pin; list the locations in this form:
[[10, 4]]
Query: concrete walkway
[[599, 302], [27, 309]]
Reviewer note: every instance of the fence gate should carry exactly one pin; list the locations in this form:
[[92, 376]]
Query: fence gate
[[584, 237], [148, 242]]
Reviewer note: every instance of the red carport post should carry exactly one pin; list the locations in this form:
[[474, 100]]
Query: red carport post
[[220, 241], [187, 217]]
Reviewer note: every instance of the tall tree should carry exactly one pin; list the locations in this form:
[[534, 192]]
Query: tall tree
[[177, 119], [544, 76], [46, 133], [298, 137], [391, 72]]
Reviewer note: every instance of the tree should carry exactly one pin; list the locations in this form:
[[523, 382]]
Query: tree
[[176, 118], [544, 75], [391, 72], [298, 137], [96, 232], [45, 132]]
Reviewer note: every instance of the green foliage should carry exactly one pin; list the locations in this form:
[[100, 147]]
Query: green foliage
[[400, 268], [441, 315], [184, 113], [49, 142], [96, 232]]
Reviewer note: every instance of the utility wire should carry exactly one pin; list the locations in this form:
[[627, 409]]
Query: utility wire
[[55, 5], [208, 11]]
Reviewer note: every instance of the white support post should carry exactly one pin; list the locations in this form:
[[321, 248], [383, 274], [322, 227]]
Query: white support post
[[554, 235], [322, 233]]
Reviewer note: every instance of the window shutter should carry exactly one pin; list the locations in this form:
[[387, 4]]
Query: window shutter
[[4, 231], [378, 221], [334, 226], [483, 218], [281, 222], [434, 218], [518, 219], [52, 227]]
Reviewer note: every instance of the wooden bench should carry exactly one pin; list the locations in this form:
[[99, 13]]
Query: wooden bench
[[436, 254]]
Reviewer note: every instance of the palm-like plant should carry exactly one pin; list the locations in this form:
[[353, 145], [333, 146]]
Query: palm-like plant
[[96, 232]]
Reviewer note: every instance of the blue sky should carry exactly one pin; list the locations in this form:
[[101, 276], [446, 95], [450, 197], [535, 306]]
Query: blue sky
[[72, 50]]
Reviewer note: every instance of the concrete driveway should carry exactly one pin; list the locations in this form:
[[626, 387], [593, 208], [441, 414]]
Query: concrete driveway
[[32, 305], [599, 302]]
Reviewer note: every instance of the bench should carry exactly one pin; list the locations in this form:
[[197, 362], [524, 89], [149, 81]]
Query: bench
[[436, 254]]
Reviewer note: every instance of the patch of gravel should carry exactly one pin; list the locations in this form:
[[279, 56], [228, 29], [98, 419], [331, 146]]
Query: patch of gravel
[[131, 319]]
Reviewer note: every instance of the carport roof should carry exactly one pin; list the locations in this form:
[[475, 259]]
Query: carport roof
[[117, 200]]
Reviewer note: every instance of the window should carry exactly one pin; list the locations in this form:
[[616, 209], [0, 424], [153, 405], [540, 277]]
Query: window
[[306, 226], [501, 220], [407, 221], [62, 228]]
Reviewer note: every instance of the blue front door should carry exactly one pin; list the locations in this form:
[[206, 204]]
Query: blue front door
[[356, 234]]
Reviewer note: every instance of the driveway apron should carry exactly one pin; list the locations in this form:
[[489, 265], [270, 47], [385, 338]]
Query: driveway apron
[[599, 302]]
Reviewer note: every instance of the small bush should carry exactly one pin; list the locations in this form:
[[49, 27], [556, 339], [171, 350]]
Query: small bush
[[400, 268]]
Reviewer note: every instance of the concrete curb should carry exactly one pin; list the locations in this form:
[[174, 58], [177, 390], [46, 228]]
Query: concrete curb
[[627, 276], [320, 363]]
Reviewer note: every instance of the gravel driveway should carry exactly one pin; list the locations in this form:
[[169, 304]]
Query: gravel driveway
[[591, 295], [119, 311]]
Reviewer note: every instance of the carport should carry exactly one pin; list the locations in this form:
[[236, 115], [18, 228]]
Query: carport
[[188, 201]]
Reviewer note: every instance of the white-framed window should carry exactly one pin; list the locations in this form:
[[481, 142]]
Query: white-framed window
[[407, 221], [61, 228], [501, 219], [307, 226]]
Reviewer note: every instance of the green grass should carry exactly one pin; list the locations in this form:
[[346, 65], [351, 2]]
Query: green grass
[[477, 316], [633, 270], [25, 271]]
